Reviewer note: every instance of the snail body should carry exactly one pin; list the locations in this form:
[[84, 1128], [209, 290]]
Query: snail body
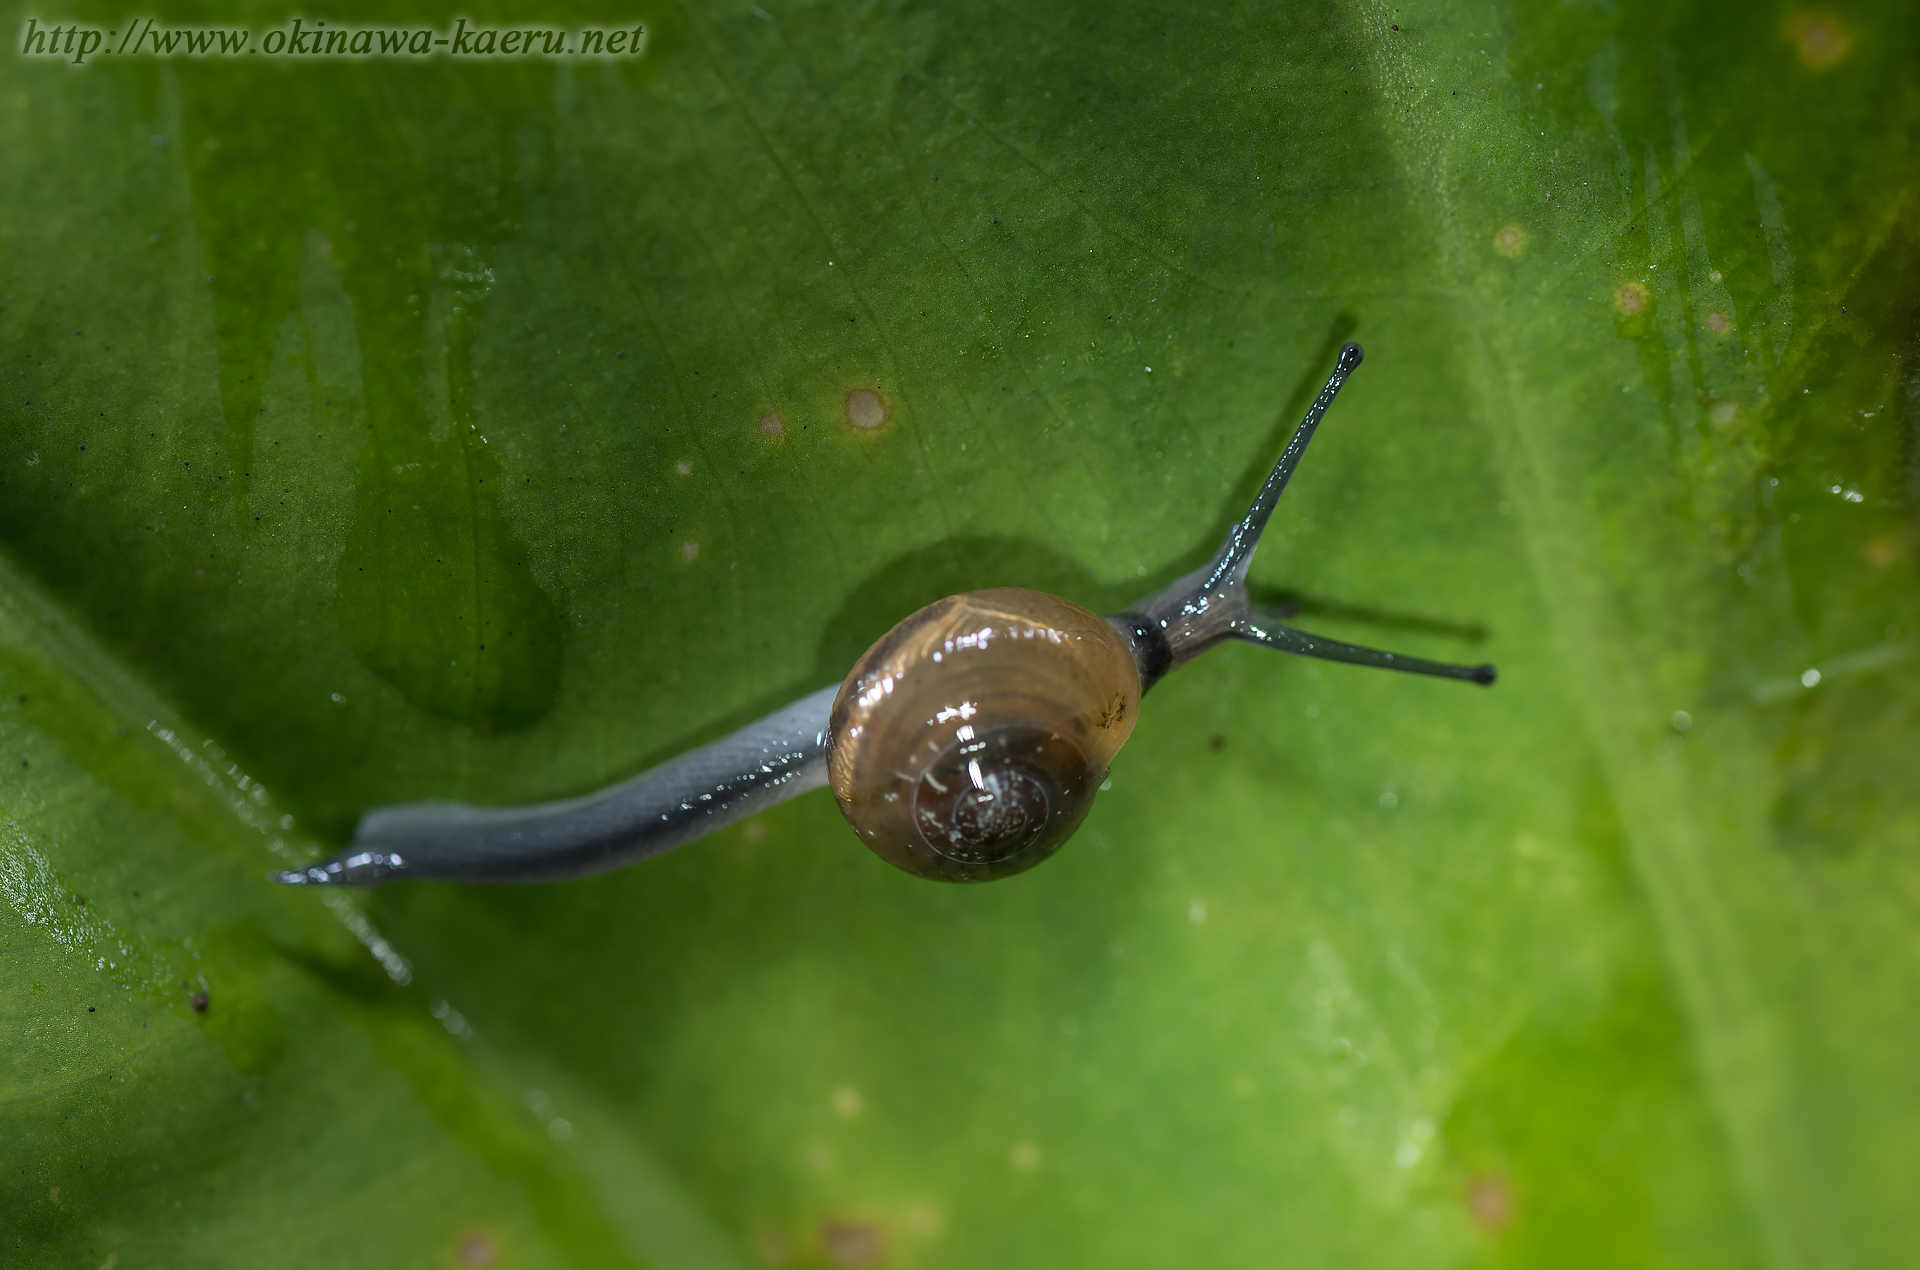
[[969, 740], [966, 744]]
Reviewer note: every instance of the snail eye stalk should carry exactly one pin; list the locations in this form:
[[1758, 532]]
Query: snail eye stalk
[[1209, 606], [1259, 629], [1236, 553]]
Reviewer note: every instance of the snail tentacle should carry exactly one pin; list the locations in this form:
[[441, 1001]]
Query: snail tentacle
[[1261, 629], [766, 762], [1205, 608], [1229, 565]]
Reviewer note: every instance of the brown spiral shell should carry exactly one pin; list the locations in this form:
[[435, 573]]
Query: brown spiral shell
[[967, 744]]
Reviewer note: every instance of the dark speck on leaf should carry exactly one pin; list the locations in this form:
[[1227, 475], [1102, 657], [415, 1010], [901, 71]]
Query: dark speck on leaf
[[199, 1001]]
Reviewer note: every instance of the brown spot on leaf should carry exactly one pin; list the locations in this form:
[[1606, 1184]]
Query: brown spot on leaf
[[1818, 38], [852, 1244], [770, 425], [1718, 323], [477, 1248], [1489, 1202], [1881, 550], [1632, 299], [865, 410], [1510, 241]]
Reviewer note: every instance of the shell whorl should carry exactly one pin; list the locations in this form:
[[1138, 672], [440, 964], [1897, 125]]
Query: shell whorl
[[967, 743]]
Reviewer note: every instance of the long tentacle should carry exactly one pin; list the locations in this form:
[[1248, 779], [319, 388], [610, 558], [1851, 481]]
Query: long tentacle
[[1236, 553], [1206, 607], [1258, 628]]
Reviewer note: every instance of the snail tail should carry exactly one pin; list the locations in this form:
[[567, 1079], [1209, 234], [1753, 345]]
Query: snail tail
[[678, 802]]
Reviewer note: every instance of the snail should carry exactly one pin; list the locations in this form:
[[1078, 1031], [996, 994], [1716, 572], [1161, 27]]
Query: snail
[[967, 744]]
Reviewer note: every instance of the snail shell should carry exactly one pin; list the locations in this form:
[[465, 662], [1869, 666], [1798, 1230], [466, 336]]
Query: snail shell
[[967, 743]]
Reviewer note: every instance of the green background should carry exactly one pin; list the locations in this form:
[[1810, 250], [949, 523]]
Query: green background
[[385, 430]]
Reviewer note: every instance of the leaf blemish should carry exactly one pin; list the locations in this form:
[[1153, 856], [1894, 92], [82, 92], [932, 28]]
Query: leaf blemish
[[1632, 299], [865, 410], [852, 1244], [770, 425], [1489, 1202], [1510, 241], [477, 1248], [1818, 38]]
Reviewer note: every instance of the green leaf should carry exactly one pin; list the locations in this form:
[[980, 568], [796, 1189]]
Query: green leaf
[[375, 430]]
